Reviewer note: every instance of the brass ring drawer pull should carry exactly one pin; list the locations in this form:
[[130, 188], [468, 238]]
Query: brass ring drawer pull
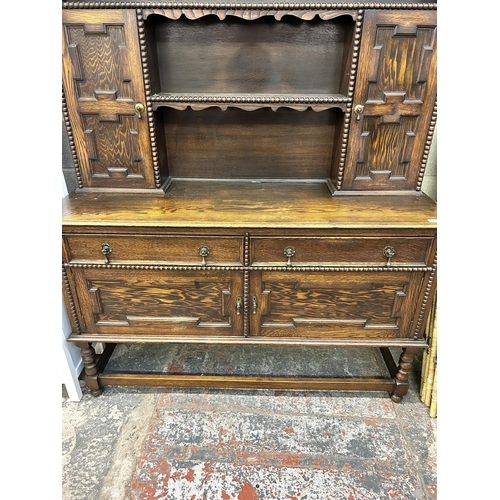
[[106, 250], [289, 252], [389, 253], [203, 251]]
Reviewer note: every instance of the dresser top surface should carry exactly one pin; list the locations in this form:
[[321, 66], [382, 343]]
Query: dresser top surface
[[227, 204]]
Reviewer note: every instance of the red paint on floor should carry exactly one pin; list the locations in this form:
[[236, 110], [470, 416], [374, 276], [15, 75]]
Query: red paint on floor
[[265, 458], [158, 477], [248, 492]]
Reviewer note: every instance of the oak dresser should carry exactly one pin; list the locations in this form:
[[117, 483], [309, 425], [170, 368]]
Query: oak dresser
[[249, 173]]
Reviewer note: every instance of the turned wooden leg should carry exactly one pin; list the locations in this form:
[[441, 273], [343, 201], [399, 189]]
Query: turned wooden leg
[[401, 377], [91, 371]]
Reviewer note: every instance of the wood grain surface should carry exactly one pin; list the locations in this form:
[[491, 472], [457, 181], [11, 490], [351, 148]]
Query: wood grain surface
[[240, 205]]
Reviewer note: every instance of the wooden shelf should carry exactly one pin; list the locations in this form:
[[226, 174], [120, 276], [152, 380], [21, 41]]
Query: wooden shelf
[[247, 204], [249, 102]]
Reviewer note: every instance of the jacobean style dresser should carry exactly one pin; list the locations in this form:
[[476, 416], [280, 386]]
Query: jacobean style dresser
[[249, 174]]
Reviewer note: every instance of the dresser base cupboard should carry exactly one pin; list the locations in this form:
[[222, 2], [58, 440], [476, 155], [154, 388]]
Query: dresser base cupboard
[[249, 174]]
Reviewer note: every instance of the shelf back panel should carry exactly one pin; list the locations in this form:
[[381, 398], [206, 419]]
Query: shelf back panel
[[208, 55], [212, 143]]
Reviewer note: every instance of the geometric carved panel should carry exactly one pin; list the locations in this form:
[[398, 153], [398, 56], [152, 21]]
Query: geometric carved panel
[[99, 58], [385, 148], [397, 92], [176, 303], [328, 306], [114, 141], [103, 81], [405, 65]]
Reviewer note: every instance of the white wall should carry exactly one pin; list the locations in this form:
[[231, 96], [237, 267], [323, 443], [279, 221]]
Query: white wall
[[72, 362], [429, 184]]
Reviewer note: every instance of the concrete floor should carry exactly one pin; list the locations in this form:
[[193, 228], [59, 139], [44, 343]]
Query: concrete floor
[[159, 443]]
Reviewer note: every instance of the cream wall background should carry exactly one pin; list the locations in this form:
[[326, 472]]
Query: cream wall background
[[429, 184]]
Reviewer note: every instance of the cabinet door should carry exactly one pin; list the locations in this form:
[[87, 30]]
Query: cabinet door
[[396, 85], [160, 303], [103, 81], [333, 304]]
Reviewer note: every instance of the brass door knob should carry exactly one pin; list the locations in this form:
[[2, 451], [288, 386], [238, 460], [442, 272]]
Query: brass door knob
[[140, 109], [358, 109]]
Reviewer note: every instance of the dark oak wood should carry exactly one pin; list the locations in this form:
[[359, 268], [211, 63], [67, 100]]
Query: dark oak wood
[[401, 377], [209, 55], [141, 338], [344, 305], [198, 203], [235, 382], [90, 367], [165, 250], [180, 303], [285, 144], [230, 192], [397, 87], [103, 81]]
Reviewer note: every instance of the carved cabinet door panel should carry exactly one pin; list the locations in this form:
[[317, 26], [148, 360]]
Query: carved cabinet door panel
[[394, 101], [103, 83], [333, 304], [159, 303]]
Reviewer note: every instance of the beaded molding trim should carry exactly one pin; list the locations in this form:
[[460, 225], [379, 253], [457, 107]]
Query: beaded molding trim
[[246, 286], [350, 95], [427, 148], [71, 303], [254, 268], [246, 303], [243, 99], [147, 89], [248, 102], [246, 6], [428, 289], [72, 146], [246, 250]]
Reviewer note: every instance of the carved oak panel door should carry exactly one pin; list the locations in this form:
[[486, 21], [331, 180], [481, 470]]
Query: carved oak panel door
[[103, 82], [333, 304], [159, 303], [396, 90]]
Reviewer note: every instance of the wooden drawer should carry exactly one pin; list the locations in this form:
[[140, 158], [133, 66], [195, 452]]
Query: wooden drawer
[[342, 251], [163, 250]]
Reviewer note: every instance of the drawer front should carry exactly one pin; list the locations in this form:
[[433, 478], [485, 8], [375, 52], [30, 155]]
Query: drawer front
[[342, 251], [164, 250], [159, 303], [334, 305]]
